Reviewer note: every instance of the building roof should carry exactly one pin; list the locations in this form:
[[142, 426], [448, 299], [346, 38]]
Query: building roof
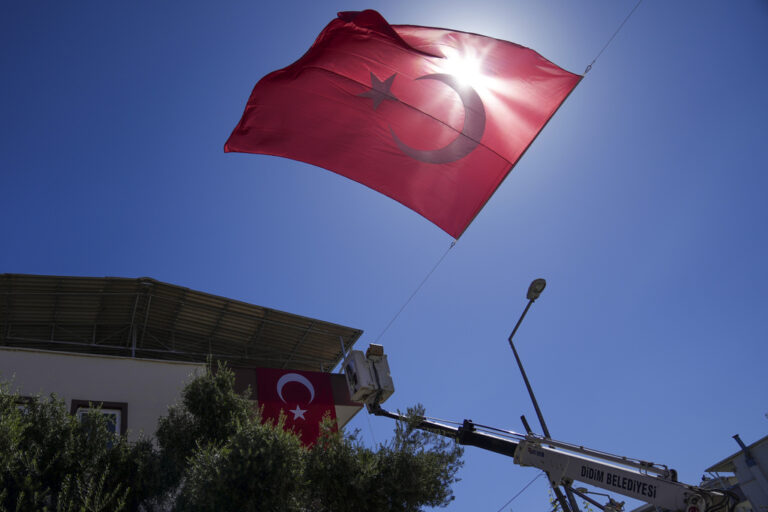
[[151, 319], [726, 465]]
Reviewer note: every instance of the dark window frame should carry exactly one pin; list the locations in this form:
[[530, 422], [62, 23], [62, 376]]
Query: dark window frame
[[23, 402], [93, 404]]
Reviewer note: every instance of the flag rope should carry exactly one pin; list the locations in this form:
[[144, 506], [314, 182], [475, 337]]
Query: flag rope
[[519, 492], [613, 36], [453, 244], [370, 429]]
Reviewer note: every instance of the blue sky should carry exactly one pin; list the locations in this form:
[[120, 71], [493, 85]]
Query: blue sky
[[642, 203]]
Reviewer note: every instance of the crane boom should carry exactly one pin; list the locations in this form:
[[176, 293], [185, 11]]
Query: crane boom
[[565, 468], [369, 382]]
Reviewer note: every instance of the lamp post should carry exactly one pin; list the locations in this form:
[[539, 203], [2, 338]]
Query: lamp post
[[534, 291]]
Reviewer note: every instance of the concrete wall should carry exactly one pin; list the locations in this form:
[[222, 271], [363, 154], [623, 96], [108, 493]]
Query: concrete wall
[[147, 386]]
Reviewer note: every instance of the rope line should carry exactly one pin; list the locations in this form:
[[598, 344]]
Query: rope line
[[370, 428], [453, 244], [613, 36], [519, 493]]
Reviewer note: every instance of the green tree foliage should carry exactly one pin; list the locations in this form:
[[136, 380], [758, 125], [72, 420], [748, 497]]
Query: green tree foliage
[[49, 460], [209, 413], [258, 468], [89, 495], [213, 452], [413, 470]]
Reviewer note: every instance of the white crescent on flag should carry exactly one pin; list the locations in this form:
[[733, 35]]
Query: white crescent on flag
[[295, 377]]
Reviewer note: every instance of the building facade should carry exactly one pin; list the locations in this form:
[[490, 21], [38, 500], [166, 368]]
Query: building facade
[[130, 345]]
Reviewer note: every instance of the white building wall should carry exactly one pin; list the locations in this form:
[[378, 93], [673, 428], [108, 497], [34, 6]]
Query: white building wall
[[148, 386]]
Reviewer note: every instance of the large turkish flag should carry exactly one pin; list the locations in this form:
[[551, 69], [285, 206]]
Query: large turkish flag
[[433, 118], [303, 397]]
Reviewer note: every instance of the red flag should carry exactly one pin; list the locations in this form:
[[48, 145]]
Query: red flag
[[433, 118], [303, 397]]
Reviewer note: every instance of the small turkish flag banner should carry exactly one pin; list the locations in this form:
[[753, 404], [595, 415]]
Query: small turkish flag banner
[[303, 397], [430, 117]]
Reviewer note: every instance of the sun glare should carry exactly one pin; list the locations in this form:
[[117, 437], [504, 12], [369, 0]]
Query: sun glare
[[468, 69]]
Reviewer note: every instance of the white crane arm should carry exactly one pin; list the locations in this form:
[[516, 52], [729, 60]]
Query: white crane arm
[[565, 468]]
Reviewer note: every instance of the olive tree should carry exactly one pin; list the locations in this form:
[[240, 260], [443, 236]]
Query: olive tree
[[212, 451]]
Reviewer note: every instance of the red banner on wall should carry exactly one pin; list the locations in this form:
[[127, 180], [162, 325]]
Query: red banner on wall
[[303, 397]]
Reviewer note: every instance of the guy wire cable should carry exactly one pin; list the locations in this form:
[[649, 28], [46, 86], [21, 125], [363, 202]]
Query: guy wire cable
[[613, 36], [519, 492], [453, 244]]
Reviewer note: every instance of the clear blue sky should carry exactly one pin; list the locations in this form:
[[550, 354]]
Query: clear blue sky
[[643, 203]]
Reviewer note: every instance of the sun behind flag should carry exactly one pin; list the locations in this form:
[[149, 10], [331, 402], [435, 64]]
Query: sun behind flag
[[430, 117]]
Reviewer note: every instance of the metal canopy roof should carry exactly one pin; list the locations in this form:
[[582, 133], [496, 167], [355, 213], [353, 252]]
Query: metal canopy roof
[[151, 319], [727, 464]]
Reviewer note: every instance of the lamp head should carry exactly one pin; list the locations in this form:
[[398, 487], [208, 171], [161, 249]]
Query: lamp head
[[537, 286]]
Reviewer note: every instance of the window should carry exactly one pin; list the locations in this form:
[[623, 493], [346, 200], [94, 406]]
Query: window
[[23, 403], [116, 413]]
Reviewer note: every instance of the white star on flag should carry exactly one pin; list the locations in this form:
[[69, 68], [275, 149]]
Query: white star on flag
[[298, 412]]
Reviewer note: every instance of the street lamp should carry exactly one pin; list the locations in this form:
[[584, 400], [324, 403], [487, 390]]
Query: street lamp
[[534, 290], [537, 286]]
